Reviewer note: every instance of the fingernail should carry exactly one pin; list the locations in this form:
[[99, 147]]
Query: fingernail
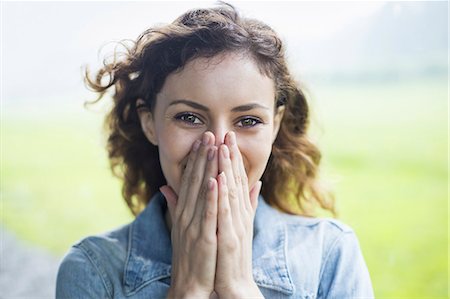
[[211, 153], [211, 184], [196, 145], [223, 178], [205, 139], [225, 152]]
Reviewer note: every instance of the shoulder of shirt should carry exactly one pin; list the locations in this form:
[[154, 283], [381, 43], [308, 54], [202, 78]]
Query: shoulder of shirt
[[98, 254], [312, 222], [329, 223], [328, 237], [322, 232], [114, 240]]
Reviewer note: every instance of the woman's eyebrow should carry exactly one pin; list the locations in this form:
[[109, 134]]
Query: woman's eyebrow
[[190, 103], [248, 107], [242, 108]]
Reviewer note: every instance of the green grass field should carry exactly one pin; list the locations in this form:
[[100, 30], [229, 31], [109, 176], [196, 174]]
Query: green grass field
[[385, 150]]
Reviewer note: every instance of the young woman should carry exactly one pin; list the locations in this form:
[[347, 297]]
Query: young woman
[[209, 133]]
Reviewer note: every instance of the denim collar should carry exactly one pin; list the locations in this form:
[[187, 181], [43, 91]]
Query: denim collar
[[150, 250]]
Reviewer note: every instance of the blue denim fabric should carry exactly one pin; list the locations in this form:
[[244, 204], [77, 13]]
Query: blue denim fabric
[[293, 257]]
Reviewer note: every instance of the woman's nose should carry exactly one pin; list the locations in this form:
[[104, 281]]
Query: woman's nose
[[219, 133], [220, 137]]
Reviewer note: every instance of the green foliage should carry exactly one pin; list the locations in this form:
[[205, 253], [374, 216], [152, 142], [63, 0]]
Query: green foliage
[[56, 182], [384, 146]]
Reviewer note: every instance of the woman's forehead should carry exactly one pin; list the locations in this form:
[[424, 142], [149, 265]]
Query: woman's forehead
[[233, 78]]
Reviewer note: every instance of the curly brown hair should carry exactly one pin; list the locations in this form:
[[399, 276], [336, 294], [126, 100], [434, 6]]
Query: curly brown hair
[[290, 180]]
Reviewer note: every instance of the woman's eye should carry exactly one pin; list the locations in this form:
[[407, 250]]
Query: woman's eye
[[189, 118], [248, 122]]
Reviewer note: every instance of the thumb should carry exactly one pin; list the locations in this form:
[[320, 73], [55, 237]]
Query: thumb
[[171, 199], [254, 193]]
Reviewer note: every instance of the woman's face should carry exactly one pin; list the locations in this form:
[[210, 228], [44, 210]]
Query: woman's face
[[222, 94]]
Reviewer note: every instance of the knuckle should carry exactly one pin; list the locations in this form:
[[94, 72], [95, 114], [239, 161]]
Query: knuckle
[[178, 213], [208, 239], [194, 178], [225, 211], [232, 193], [226, 192], [191, 157], [184, 220], [240, 233], [238, 178], [203, 195], [209, 215], [184, 179], [203, 150], [231, 245], [204, 189], [191, 234]]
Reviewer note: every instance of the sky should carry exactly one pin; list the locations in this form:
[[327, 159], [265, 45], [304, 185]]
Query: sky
[[45, 45]]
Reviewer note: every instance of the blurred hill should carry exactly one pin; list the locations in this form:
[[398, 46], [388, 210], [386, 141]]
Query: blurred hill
[[402, 39]]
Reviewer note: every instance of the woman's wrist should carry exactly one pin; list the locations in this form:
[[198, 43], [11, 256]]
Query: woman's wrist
[[249, 290], [187, 293]]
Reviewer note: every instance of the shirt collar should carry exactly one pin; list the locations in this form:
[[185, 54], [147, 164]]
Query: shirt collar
[[150, 249]]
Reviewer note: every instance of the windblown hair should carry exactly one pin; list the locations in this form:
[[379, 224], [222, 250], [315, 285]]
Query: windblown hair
[[290, 181]]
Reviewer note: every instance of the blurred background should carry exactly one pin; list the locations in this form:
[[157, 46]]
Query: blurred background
[[377, 77]]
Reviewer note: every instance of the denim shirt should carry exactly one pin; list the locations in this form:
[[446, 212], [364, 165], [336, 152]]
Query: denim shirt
[[293, 257]]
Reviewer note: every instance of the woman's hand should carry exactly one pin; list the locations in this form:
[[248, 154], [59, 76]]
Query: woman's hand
[[194, 223], [236, 211]]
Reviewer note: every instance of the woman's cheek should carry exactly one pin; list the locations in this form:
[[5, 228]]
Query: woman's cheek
[[255, 151], [176, 146]]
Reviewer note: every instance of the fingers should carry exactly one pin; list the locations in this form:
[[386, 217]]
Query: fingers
[[194, 230], [196, 188], [240, 175], [234, 194], [209, 226], [224, 221], [185, 178], [211, 170]]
